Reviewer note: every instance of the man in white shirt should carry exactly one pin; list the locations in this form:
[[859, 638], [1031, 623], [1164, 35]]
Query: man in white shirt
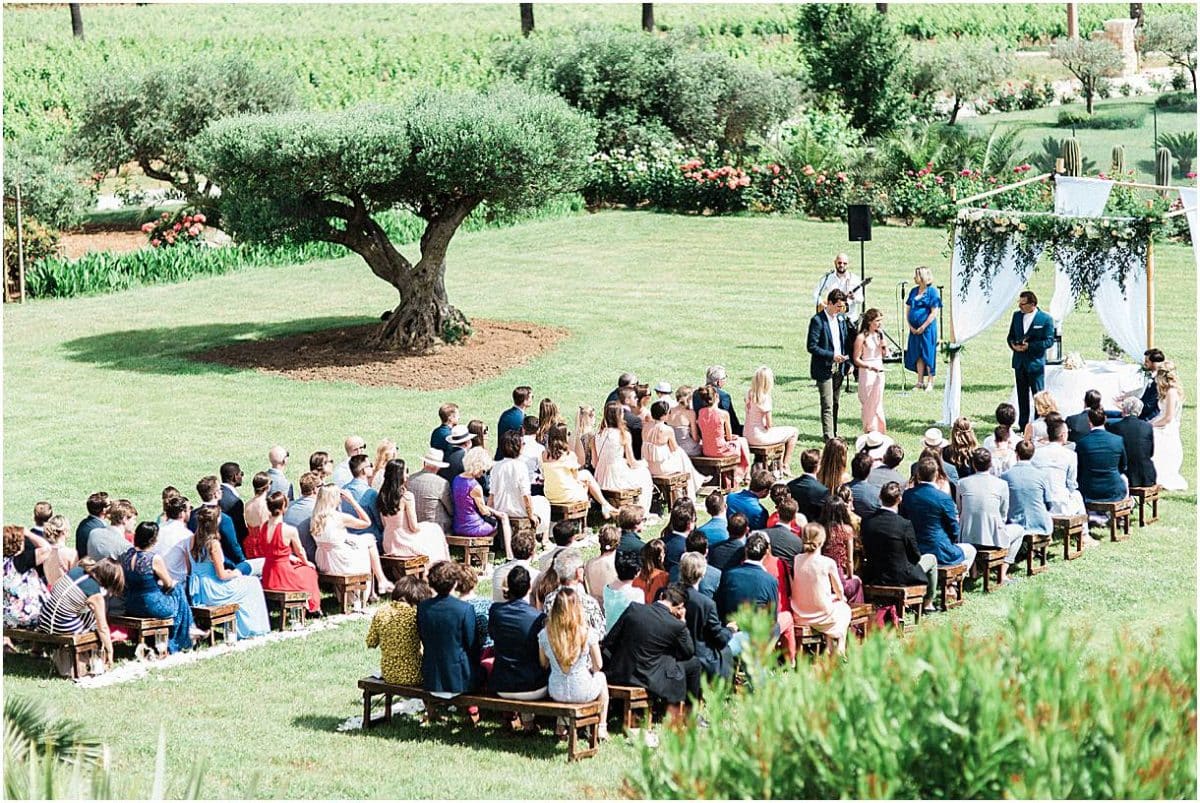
[[522, 549], [341, 473], [840, 278], [174, 538]]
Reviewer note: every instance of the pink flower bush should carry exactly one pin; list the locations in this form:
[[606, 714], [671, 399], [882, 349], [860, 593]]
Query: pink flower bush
[[168, 231]]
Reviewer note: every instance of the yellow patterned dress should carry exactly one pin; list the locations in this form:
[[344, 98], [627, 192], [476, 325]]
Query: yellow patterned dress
[[394, 632]]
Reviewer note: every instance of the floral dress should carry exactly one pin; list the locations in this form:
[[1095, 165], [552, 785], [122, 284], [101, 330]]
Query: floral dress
[[394, 631], [23, 593]]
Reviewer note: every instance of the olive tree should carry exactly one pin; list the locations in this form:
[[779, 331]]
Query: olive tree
[[306, 176], [153, 117], [1089, 60], [1173, 35], [962, 68]]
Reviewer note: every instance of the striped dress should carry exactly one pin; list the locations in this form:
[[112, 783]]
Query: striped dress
[[65, 609]]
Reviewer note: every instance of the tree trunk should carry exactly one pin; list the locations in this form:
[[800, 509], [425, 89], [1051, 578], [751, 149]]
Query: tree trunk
[[76, 20], [1089, 92], [526, 19], [881, 8], [1072, 21], [424, 313], [1138, 13], [954, 110], [648, 17], [1192, 72]]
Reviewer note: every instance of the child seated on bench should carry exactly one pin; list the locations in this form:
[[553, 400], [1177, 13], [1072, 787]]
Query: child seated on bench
[[394, 631]]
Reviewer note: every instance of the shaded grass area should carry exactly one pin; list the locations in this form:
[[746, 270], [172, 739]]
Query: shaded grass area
[[101, 393]]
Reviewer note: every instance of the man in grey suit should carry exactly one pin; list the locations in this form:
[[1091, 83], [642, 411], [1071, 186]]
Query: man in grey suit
[[887, 471], [278, 456], [1029, 493], [829, 349], [299, 513], [983, 511]]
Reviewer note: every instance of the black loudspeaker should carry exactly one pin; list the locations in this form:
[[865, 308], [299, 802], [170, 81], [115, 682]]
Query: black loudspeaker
[[859, 220]]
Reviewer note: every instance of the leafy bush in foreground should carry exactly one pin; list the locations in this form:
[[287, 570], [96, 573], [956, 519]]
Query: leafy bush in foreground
[[943, 715], [1124, 118]]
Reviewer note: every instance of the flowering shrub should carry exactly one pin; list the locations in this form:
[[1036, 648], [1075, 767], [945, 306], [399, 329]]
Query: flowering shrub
[[826, 194], [929, 195], [168, 231], [1011, 97]]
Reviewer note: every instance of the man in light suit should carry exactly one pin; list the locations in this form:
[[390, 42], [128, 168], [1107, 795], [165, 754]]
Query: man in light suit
[[829, 345], [1030, 494], [983, 511], [278, 457], [1030, 333]]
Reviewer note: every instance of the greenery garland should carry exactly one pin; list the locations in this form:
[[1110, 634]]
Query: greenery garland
[[1084, 247]]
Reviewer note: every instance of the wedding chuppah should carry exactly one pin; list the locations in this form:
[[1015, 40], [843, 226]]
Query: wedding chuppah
[[1105, 260]]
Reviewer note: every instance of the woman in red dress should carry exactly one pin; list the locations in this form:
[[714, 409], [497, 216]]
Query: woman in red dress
[[286, 568]]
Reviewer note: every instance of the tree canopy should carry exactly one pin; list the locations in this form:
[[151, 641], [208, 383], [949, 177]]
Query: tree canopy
[[1089, 60], [1175, 36], [963, 68]]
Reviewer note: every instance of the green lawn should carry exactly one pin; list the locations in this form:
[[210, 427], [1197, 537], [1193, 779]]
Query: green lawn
[[100, 394]]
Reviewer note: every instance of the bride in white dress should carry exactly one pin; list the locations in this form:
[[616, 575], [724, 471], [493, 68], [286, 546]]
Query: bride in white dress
[[1168, 445]]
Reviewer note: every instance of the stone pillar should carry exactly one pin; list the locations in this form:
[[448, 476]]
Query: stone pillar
[[1121, 33], [1072, 21]]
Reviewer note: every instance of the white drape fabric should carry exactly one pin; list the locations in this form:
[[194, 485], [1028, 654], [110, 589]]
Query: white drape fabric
[[1123, 315], [1188, 196], [1081, 197], [974, 309]]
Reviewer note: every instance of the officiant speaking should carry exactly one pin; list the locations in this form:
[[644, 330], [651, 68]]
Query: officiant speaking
[[1029, 335]]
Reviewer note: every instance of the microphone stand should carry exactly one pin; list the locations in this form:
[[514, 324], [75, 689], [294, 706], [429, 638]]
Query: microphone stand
[[900, 317]]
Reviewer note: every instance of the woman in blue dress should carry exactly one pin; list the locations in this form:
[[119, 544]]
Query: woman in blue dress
[[923, 303], [212, 584], [145, 572]]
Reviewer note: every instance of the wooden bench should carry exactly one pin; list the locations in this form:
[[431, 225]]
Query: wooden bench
[[671, 488], [1070, 528], [71, 654], [628, 699], [1037, 545], [769, 457], [902, 597], [573, 512], [346, 586], [578, 715], [1118, 514], [292, 605], [152, 631], [477, 547], [809, 640], [217, 617], [395, 567], [860, 617], [1146, 496], [622, 496], [987, 560], [723, 468], [951, 578]]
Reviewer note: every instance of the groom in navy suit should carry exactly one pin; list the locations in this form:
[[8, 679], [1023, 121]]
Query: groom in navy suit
[[1029, 335], [828, 343]]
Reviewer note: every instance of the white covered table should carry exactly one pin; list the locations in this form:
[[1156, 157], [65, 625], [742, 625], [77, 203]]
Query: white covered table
[[1111, 377]]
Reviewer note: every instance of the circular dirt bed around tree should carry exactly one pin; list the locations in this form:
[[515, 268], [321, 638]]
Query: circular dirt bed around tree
[[339, 355]]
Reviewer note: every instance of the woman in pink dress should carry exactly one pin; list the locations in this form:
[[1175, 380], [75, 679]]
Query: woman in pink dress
[[760, 429], [818, 600], [869, 351], [403, 535], [716, 435]]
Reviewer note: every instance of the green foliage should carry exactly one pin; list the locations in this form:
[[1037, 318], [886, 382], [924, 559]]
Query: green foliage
[[1117, 166], [1011, 97], [52, 192], [823, 140], [38, 242], [1072, 158], [1121, 118], [858, 61], [946, 716], [1182, 146], [1173, 35], [1015, 23], [965, 67], [645, 89], [153, 117], [1162, 166], [1089, 60], [1184, 102], [1045, 160]]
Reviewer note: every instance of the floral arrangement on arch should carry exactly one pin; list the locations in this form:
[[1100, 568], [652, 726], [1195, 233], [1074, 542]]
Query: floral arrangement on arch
[[169, 231]]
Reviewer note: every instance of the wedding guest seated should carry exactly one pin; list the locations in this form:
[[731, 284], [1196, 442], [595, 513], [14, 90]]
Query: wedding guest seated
[[614, 454], [1138, 437], [532, 450], [404, 534], [787, 514], [547, 583], [717, 437], [1030, 493], [212, 584], [278, 459], [76, 604], [548, 416], [840, 525], [299, 513], [230, 501], [664, 457], [449, 637], [983, 511], [354, 445], [748, 583], [716, 529], [627, 399], [24, 589], [943, 479], [890, 553], [394, 631], [806, 489], [321, 464], [465, 590], [570, 649], [732, 551], [887, 471], [340, 551], [432, 499], [522, 548], [1061, 464], [1102, 463], [62, 558], [255, 515], [457, 443], [653, 576], [682, 419], [566, 482], [569, 568], [650, 647], [150, 591], [42, 511], [621, 592], [663, 392], [602, 570], [778, 492], [866, 495], [625, 380], [711, 581], [934, 518], [1077, 424], [818, 599], [715, 378], [287, 567], [563, 535], [112, 541], [1003, 454], [1043, 405], [359, 487], [583, 435], [513, 419], [760, 429], [682, 521], [1006, 416], [632, 521], [832, 471], [97, 507], [472, 517], [209, 491], [514, 625], [448, 416], [785, 544], [748, 501], [933, 443], [512, 490], [712, 640], [874, 444], [961, 448]]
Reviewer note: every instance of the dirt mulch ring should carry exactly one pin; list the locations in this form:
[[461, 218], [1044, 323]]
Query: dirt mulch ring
[[118, 242], [337, 355]]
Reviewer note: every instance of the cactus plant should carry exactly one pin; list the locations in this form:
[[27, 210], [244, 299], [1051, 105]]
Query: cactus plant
[[1118, 160], [1162, 167], [1072, 158]]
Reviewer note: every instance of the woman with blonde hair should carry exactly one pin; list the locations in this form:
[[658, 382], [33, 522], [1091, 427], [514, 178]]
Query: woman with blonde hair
[[760, 429], [682, 419], [817, 597], [923, 303], [870, 349], [472, 516], [62, 558], [582, 437], [834, 458], [384, 452], [1043, 405], [962, 445], [340, 551], [571, 650], [565, 481], [1168, 446], [612, 455]]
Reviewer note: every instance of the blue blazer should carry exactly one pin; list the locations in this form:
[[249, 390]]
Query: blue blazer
[[820, 346], [747, 583], [450, 659], [1029, 497], [1102, 461], [229, 542], [1039, 338], [750, 506], [437, 439], [510, 419], [514, 628], [676, 544], [935, 521], [727, 554], [715, 530]]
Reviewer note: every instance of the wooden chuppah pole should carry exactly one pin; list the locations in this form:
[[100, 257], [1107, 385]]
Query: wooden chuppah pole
[[1150, 294]]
